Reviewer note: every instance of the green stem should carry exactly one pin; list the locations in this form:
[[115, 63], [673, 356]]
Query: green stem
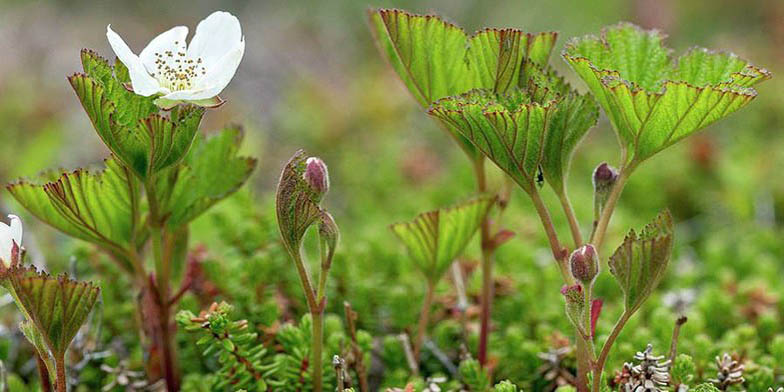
[[317, 344], [599, 367], [424, 318], [559, 252], [307, 286], [597, 237], [574, 226]]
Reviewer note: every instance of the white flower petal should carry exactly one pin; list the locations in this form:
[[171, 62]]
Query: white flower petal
[[216, 79], [16, 229], [172, 40], [143, 83], [215, 36], [9, 235]]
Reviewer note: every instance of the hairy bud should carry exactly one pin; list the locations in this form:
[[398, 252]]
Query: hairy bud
[[584, 263], [317, 176], [604, 178]]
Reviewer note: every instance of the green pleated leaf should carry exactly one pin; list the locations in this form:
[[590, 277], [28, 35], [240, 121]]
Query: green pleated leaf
[[95, 206], [574, 114], [436, 59], [297, 207], [641, 261], [508, 129], [651, 100], [435, 238], [212, 170], [57, 306], [128, 123]]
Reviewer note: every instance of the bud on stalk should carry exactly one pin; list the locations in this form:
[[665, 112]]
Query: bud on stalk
[[317, 176], [575, 305], [604, 178], [584, 264]]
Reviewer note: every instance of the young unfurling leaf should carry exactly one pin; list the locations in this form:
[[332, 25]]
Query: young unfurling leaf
[[298, 204], [651, 100], [640, 262], [435, 238]]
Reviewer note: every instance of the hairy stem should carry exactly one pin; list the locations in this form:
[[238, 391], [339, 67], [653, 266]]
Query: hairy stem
[[424, 317], [559, 252], [43, 374], [61, 382], [574, 225], [487, 268], [597, 237], [317, 344], [599, 366], [162, 254]]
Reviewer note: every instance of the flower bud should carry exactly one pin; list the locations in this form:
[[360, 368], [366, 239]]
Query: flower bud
[[604, 177], [317, 176], [584, 264], [575, 305]]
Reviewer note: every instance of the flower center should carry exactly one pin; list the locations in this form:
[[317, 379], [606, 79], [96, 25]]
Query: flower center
[[175, 71]]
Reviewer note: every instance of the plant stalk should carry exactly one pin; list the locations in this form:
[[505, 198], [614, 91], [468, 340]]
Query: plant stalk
[[597, 237], [487, 268], [599, 366], [162, 255], [317, 316], [559, 252], [424, 318], [61, 381], [574, 225], [43, 374]]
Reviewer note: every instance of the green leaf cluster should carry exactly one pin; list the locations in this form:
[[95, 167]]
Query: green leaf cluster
[[652, 100], [473, 376]]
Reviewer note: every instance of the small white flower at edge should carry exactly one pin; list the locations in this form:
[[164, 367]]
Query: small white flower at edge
[[175, 72], [10, 234]]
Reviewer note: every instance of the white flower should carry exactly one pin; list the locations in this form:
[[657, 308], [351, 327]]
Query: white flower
[[176, 73], [10, 234]]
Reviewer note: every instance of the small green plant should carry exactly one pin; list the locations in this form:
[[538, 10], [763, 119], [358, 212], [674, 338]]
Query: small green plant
[[302, 186], [497, 96], [54, 307], [434, 239], [233, 344], [161, 174]]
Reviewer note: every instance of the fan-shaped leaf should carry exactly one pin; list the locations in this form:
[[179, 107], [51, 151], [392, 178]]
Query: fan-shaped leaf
[[652, 101], [435, 238], [436, 59], [510, 130], [99, 207], [57, 306], [640, 262], [210, 172]]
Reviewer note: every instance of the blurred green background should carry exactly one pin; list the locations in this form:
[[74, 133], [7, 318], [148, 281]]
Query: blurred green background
[[311, 78]]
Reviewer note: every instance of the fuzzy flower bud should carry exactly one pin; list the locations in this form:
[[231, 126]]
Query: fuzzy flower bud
[[584, 264], [317, 176], [604, 178]]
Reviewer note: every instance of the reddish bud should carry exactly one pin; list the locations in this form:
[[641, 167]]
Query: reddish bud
[[317, 176], [584, 263]]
